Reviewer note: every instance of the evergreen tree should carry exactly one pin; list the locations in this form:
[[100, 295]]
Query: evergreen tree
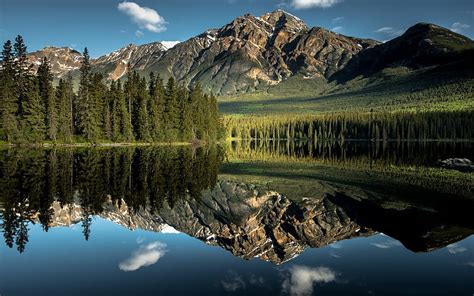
[[22, 72], [171, 111], [33, 122], [46, 93], [87, 117], [185, 116], [64, 103], [155, 106], [9, 127], [142, 126]]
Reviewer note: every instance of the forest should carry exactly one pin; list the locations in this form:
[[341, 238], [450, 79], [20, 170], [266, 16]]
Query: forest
[[378, 126], [141, 178], [139, 109]]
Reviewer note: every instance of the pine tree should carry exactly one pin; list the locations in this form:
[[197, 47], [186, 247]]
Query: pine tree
[[143, 129], [46, 93], [185, 119], [64, 101], [33, 122], [87, 121], [171, 111], [22, 72], [9, 127], [155, 106]]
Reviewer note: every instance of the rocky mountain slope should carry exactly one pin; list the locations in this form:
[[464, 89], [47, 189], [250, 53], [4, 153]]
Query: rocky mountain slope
[[253, 53], [422, 45], [62, 59]]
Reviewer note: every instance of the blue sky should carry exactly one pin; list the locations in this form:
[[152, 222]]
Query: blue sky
[[106, 25]]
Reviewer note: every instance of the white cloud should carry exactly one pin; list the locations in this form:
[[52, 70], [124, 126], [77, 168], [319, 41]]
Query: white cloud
[[302, 279], [144, 17], [337, 20], [337, 29], [389, 31], [168, 45], [455, 248], [459, 27], [145, 256], [139, 33], [305, 4]]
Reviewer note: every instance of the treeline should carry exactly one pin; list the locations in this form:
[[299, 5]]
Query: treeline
[[139, 109], [355, 126], [32, 181]]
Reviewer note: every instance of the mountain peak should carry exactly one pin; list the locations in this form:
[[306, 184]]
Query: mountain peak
[[280, 18]]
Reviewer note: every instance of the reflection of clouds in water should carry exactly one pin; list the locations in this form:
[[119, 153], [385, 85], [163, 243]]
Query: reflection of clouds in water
[[335, 246], [455, 248], [302, 278], [140, 239], [470, 263], [146, 255], [234, 281], [387, 244], [334, 255]]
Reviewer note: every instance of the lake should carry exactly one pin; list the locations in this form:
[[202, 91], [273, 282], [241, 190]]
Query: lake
[[244, 218]]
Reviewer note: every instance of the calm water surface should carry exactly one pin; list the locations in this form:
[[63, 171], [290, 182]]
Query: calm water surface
[[247, 219]]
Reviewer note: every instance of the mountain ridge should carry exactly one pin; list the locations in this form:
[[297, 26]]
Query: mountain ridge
[[250, 53]]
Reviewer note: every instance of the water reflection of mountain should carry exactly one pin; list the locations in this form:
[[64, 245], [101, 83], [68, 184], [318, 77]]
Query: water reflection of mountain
[[253, 223]]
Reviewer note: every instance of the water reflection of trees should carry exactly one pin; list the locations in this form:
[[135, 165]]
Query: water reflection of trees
[[351, 152], [31, 180]]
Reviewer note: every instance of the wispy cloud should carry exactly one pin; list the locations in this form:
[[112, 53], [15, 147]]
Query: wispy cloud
[[337, 29], [144, 17], [139, 33], [233, 283], [305, 4], [302, 279], [387, 244], [455, 249], [459, 27], [389, 31], [337, 20], [146, 255]]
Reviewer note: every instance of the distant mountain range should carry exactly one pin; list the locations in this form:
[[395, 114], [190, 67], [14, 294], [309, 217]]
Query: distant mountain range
[[252, 53]]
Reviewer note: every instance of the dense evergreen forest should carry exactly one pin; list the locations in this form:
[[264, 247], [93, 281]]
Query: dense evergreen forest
[[346, 126], [32, 180], [139, 109]]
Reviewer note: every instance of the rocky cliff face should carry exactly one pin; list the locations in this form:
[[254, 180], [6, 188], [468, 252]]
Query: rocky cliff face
[[253, 51]]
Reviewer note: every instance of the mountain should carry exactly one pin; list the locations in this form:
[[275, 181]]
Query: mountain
[[254, 53], [422, 45], [62, 59], [239, 57], [116, 64]]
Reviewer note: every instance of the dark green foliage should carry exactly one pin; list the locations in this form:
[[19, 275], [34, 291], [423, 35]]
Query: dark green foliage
[[64, 102], [46, 93], [9, 127], [347, 126]]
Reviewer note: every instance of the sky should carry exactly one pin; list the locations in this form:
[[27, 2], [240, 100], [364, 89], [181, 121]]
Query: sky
[[106, 25]]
